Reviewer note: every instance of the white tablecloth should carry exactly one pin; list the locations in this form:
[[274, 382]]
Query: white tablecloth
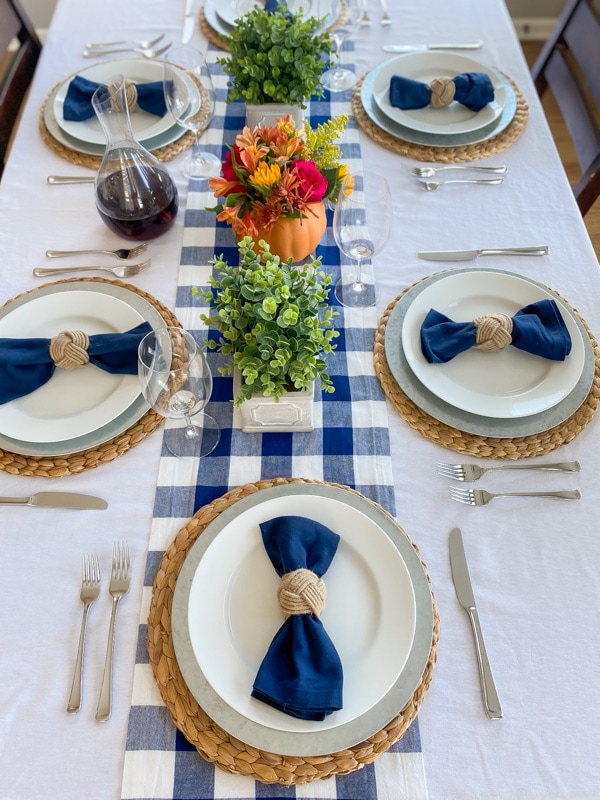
[[535, 563]]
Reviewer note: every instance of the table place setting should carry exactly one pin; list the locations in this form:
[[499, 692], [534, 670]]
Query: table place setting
[[526, 405], [435, 105]]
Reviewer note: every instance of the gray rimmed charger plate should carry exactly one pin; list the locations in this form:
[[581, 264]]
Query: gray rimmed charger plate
[[432, 139], [134, 412], [316, 742], [464, 420]]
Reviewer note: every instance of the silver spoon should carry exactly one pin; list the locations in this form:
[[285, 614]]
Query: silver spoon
[[147, 52], [122, 253], [135, 42], [126, 271], [431, 186]]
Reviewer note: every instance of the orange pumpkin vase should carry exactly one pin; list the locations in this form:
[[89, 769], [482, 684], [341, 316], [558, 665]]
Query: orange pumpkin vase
[[296, 238]]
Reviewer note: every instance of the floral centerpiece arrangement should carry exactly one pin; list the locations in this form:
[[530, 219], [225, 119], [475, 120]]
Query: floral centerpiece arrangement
[[274, 320], [277, 173]]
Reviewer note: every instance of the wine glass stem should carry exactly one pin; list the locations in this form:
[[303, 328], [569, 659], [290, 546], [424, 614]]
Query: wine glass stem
[[191, 431], [358, 283]]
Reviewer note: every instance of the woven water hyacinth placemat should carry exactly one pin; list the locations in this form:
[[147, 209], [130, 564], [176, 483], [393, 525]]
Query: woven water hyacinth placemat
[[212, 742], [165, 153], [473, 444], [470, 152], [73, 464]]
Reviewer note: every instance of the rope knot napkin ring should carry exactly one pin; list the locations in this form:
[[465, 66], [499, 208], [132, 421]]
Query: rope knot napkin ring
[[493, 332], [301, 592], [69, 349], [474, 90], [131, 95], [537, 328]]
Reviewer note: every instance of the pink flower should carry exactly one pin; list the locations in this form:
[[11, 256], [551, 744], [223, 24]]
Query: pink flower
[[313, 183], [228, 171]]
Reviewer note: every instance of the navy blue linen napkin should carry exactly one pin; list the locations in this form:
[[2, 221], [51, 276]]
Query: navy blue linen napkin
[[271, 6], [301, 673], [78, 101], [26, 364], [471, 89], [537, 328]]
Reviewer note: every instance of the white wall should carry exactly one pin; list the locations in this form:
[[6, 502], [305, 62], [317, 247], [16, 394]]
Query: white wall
[[39, 11]]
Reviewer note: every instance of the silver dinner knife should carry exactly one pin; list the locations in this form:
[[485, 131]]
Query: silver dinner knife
[[188, 23], [464, 592], [471, 255], [418, 48], [58, 500], [56, 179]]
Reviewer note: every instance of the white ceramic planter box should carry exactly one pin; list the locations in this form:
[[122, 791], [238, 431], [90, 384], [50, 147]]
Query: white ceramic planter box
[[293, 412], [269, 113]]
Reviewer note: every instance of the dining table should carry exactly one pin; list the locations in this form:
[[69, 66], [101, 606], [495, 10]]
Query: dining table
[[534, 562]]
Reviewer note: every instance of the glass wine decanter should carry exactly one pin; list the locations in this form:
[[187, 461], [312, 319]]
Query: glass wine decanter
[[135, 195]]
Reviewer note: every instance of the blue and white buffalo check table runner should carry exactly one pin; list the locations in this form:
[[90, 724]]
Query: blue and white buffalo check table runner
[[350, 445]]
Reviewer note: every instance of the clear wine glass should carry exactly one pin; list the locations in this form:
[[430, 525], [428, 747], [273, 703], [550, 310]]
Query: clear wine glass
[[190, 97], [361, 227], [177, 382], [339, 78]]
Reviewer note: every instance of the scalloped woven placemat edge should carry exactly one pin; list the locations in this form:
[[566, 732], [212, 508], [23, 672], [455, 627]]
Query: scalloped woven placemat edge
[[212, 742]]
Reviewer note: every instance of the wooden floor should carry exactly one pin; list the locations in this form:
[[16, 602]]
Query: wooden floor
[[565, 147]]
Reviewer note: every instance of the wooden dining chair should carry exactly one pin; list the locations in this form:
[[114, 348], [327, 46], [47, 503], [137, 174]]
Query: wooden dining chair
[[569, 64], [17, 67]]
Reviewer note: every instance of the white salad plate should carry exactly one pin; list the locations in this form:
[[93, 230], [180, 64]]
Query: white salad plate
[[74, 401], [92, 407], [424, 67], [225, 615], [230, 10], [507, 384], [145, 126]]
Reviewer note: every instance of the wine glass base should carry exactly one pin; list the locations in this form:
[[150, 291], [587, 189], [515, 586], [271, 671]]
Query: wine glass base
[[197, 441], [338, 80], [355, 294], [204, 165]]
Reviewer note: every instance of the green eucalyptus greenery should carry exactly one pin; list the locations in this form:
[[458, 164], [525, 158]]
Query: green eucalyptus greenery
[[274, 321], [276, 58]]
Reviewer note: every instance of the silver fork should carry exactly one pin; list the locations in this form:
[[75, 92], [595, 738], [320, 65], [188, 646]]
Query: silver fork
[[479, 497], [429, 172], [472, 472], [385, 18], [121, 253], [133, 42], [431, 186], [126, 271], [147, 52], [119, 586], [90, 589]]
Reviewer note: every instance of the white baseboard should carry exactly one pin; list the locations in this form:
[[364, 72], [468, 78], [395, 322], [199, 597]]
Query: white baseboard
[[530, 28]]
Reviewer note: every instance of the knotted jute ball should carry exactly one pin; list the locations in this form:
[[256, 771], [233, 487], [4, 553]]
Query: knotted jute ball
[[301, 592], [69, 349], [131, 95], [494, 332], [442, 92]]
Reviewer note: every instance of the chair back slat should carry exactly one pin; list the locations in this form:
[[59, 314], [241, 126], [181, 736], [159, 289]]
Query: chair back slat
[[569, 64], [18, 67]]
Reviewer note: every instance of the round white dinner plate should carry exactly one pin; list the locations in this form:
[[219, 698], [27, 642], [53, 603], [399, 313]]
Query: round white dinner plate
[[230, 10], [378, 615], [507, 384], [121, 422], [407, 134], [493, 427], [424, 67], [144, 125], [73, 402]]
